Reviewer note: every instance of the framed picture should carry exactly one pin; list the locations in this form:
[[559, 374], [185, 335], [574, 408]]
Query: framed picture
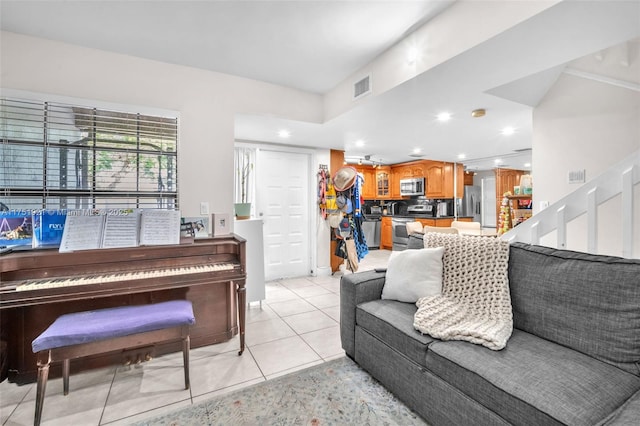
[[221, 224]]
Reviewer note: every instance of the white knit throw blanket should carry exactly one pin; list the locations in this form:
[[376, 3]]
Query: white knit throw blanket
[[475, 304]]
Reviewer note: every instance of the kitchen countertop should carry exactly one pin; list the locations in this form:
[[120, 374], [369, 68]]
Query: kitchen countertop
[[423, 216]]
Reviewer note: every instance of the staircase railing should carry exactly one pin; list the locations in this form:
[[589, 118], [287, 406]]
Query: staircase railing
[[618, 179]]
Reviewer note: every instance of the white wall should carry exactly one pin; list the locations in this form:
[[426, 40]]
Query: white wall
[[590, 125], [450, 33], [207, 103]]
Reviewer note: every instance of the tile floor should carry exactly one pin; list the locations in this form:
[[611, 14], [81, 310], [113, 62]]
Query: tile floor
[[296, 327]]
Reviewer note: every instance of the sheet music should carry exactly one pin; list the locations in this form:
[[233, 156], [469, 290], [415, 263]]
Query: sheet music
[[159, 227], [121, 229], [82, 231]]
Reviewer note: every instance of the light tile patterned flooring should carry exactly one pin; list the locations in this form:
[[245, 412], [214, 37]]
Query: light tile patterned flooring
[[296, 327]]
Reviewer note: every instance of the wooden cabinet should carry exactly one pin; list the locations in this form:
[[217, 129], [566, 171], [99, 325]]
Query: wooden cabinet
[[394, 183], [369, 185], [383, 181], [506, 179], [435, 175], [386, 233], [468, 178], [426, 222], [439, 178]]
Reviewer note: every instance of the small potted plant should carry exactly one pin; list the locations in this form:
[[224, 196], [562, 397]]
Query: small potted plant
[[243, 208]]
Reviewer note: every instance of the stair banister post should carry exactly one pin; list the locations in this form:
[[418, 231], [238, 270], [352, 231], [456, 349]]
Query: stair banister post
[[561, 241], [592, 220], [627, 212]]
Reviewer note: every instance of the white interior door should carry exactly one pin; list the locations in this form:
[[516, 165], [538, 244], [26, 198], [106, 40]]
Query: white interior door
[[283, 204]]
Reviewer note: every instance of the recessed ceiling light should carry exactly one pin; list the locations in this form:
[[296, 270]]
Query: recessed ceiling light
[[284, 133], [508, 131], [444, 116], [417, 150], [360, 143], [461, 156], [527, 164], [498, 161], [412, 55]]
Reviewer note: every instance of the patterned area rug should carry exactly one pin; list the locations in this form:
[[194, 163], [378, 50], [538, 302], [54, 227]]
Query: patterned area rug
[[334, 393]]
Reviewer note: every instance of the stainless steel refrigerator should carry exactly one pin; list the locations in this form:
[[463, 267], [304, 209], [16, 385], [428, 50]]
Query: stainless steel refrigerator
[[470, 203]]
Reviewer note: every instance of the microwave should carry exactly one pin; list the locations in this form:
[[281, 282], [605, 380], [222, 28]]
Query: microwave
[[411, 187]]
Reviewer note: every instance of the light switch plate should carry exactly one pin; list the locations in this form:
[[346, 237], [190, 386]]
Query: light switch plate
[[204, 208]]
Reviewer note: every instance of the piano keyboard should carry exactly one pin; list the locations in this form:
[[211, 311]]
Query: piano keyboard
[[124, 276]]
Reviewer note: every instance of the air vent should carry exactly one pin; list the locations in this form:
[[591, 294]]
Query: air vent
[[416, 155], [522, 150], [576, 176], [362, 87]]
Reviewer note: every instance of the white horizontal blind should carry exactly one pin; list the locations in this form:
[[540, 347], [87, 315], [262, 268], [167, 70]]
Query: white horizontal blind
[[63, 156]]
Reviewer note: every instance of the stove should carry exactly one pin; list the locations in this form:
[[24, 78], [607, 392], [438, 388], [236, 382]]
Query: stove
[[426, 209]]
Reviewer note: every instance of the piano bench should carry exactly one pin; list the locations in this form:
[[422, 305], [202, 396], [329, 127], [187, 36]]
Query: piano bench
[[87, 333]]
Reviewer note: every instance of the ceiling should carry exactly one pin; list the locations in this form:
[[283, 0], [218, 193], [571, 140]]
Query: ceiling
[[315, 45]]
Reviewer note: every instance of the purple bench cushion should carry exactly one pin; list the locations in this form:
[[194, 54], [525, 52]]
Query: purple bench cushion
[[90, 326]]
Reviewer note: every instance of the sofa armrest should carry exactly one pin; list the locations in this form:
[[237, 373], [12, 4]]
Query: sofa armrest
[[356, 289]]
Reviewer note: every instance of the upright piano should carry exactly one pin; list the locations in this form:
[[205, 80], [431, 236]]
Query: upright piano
[[38, 286]]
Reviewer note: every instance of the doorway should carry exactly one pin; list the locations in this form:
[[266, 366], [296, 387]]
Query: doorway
[[282, 197]]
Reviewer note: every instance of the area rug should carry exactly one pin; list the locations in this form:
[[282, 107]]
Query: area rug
[[337, 392]]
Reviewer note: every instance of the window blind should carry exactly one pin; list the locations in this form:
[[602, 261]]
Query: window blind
[[60, 156]]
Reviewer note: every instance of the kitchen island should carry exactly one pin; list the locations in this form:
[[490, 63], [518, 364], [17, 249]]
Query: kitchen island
[[386, 229]]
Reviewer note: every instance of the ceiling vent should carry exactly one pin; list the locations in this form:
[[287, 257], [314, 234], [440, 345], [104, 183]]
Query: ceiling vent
[[416, 155], [362, 87], [522, 150]]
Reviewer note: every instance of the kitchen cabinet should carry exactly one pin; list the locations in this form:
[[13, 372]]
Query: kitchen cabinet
[[369, 189], [386, 233], [439, 176], [506, 179], [449, 171], [383, 180], [468, 178], [435, 175]]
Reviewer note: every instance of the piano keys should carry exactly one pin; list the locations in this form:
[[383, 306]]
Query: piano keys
[[38, 286]]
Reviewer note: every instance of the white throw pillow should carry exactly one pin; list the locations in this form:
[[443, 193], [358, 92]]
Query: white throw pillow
[[412, 274]]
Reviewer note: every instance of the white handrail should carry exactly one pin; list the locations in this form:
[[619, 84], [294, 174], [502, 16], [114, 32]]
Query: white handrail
[[619, 179]]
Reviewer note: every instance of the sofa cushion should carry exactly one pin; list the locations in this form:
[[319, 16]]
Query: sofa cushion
[[534, 381], [628, 414], [412, 274], [586, 302], [392, 322]]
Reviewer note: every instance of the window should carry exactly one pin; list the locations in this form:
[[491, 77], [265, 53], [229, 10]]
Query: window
[[59, 156]]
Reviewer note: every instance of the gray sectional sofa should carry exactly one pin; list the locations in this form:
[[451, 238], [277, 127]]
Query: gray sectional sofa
[[573, 357]]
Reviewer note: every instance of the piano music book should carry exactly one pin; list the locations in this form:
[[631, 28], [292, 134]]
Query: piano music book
[[119, 228], [82, 230], [159, 227]]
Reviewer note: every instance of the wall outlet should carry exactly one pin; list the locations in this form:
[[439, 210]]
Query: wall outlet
[[204, 208]]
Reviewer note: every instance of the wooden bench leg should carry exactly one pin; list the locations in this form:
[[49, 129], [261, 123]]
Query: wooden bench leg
[[43, 375], [186, 343], [65, 376]]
